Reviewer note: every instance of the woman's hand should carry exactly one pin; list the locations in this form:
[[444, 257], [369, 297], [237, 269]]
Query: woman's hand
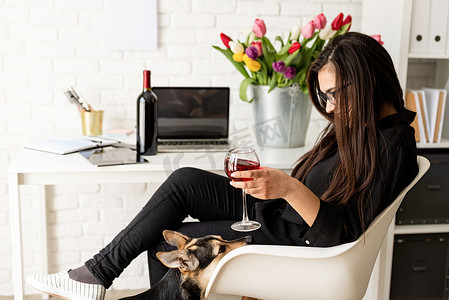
[[271, 183], [268, 183]]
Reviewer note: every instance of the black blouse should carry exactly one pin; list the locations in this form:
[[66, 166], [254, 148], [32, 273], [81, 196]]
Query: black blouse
[[336, 224]]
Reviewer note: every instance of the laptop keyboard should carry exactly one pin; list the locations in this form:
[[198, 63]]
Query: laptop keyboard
[[192, 145], [199, 142]]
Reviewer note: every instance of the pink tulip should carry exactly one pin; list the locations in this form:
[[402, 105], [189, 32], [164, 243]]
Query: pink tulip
[[259, 28], [377, 38], [258, 46], [319, 21], [308, 30]]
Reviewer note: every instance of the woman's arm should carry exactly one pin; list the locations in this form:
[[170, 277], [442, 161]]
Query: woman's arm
[[271, 183]]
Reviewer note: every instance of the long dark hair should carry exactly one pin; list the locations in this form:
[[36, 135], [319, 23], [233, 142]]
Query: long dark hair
[[366, 81]]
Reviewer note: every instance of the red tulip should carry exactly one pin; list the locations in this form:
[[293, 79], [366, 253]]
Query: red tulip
[[225, 39], [258, 46], [338, 22], [347, 21], [259, 28], [294, 47]]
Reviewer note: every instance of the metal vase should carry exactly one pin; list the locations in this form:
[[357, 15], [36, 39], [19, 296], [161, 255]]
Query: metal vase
[[281, 116]]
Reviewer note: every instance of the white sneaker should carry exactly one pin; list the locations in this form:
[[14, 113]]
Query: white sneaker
[[60, 285]]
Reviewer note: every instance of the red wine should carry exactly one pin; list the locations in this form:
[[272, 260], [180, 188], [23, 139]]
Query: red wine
[[146, 143], [241, 165]]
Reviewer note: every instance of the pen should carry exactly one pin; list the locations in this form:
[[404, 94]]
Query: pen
[[75, 99], [84, 103]]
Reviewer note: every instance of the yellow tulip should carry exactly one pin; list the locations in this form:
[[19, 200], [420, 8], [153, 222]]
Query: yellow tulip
[[253, 65], [238, 57]]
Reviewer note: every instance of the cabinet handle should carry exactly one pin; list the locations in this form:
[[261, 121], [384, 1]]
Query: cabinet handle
[[419, 38], [419, 265], [419, 268], [437, 38], [434, 186]]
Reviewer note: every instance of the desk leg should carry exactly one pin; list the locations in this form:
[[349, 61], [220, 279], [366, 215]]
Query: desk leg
[[44, 236], [16, 235]]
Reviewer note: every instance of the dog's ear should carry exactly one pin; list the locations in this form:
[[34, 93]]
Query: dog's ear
[[176, 239], [179, 259]]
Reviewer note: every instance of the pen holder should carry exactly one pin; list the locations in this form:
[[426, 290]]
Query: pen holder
[[92, 122]]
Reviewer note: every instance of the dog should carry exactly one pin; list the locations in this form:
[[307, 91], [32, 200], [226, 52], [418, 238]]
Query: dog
[[191, 266]]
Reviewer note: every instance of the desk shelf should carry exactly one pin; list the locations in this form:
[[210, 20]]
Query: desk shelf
[[443, 144], [421, 229]]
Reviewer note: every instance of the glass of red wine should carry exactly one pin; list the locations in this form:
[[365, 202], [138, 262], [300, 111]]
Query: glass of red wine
[[242, 159]]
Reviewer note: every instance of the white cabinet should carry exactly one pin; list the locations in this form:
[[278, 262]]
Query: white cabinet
[[395, 21]]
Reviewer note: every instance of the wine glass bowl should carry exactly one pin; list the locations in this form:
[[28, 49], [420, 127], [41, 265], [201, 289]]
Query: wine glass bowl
[[242, 159]]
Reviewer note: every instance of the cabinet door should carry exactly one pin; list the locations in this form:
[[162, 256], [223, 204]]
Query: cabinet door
[[419, 33], [439, 10]]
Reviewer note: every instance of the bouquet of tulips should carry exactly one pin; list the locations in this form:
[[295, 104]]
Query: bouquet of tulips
[[255, 57]]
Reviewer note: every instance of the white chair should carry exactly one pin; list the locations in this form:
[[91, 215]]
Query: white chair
[[293, 272]]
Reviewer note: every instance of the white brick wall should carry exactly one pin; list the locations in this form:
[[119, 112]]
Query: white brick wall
[[47, 45]]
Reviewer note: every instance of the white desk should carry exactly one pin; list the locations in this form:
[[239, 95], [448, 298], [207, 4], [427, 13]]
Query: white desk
[[38, 168]]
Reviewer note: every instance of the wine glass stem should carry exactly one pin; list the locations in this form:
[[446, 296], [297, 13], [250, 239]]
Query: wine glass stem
[[245, 218]]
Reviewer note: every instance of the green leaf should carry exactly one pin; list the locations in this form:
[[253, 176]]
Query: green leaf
[[343, 29], [281, 57], [302, 75], [273, 82], [259, 78], [278, 38], [304, 88], [264, 71], [244, 87], [305, 41], [291, 57], [284, 49], [267, 42], [240, 66], [268, 56]]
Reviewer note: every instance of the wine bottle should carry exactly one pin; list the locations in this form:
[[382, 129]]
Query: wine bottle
[[146, 143]]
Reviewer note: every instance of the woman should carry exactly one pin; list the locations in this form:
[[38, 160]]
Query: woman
[[364, 158]]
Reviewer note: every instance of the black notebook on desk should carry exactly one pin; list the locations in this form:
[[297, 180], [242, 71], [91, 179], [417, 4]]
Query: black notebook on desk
[[112, 156], [192, 118]]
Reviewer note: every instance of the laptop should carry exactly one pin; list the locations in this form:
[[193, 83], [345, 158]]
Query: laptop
[[192, 119]]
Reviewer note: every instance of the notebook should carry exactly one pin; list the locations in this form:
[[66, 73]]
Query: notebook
[[112, 156], [66, 145], [192, 118]]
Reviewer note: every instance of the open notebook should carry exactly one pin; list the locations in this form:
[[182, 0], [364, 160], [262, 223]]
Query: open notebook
[[66, 145]]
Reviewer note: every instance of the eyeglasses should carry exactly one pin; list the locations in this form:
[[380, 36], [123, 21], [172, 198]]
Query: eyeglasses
[[326, 97], [329, 96]]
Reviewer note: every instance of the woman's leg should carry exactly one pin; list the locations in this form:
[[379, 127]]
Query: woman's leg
[[188, 191]]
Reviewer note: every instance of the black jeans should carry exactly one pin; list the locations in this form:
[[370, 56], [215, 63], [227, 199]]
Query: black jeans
[[203, 195]]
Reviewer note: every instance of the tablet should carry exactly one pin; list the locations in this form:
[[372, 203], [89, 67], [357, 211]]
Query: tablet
[[112, 156]]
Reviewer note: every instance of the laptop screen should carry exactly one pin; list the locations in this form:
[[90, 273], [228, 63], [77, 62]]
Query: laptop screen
[[192, 112]]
